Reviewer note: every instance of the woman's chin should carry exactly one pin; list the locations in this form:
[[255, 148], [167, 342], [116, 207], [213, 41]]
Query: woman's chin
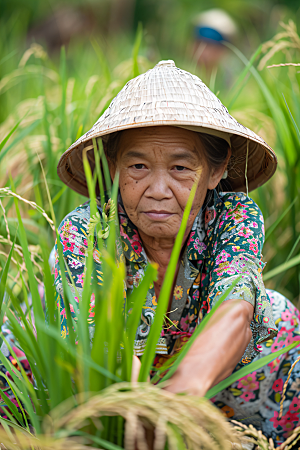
[[159, 230]]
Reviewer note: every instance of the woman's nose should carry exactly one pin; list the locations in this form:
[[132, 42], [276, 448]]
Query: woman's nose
[[159, 187]]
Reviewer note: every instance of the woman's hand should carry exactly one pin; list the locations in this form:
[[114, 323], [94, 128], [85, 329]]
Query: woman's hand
[[216, 351]]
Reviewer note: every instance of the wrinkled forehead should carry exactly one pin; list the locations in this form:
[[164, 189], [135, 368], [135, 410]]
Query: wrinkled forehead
[[160, 137], [167, 139]]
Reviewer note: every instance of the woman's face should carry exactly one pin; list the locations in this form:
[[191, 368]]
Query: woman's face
[[158, 167]]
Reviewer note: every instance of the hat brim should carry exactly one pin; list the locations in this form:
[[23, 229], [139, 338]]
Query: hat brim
[[261, 160]]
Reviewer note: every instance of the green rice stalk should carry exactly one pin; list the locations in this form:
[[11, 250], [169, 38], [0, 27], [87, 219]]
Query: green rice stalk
[[255, 365], [282, 268], [165, 292], [5, 192], [204, 323], [3, 142]]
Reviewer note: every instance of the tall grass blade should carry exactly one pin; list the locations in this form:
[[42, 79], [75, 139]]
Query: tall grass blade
[[293, 248], [136, 301], [97, 352], [271, 229], [282, 268], [102, 442], [255, 365], [3, 142], [17, 416], [34, 356], [165, 292], [292, 119], [105, 167], [6, 57], [98, 172], [4, 275], [86, 294], [199, 330], [27, 340], [48, 146], [103, 61], [21, 383], [16, 426], [67, 349], [281, 123], [36, 301], [25, 132], [63, 79], [17, 394], [242, 77]]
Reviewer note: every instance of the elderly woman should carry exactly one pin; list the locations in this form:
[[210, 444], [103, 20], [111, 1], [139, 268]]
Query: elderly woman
[[164, 131]]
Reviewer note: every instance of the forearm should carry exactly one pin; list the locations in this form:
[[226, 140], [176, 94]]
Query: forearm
[[216, 351]]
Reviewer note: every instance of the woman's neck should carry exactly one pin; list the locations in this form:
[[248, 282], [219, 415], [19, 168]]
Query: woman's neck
[[159, 251]]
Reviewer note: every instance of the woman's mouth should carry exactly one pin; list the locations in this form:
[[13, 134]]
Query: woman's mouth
[[158, 215]]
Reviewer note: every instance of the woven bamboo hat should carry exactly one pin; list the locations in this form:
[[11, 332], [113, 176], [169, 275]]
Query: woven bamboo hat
[[167, 95]]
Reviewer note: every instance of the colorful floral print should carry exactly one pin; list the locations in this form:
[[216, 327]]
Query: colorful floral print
[[255, 399], [249, 382], [199, 246], [225, 241], [178, 291]]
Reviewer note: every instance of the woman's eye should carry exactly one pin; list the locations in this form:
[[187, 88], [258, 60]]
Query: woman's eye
[[180, 168], [138, 166]]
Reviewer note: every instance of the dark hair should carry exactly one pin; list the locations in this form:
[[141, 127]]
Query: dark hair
[[111, 144], [215, 151]]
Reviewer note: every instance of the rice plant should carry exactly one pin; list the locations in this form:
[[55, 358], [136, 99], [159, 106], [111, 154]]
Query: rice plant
[[82, 395], [85, 369], [75, 376]]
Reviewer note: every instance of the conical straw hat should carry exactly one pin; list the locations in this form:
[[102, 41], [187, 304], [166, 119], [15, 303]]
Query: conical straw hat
[[167, 95]]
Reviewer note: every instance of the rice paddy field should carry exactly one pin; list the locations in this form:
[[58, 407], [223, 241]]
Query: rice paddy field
[[49, 95]]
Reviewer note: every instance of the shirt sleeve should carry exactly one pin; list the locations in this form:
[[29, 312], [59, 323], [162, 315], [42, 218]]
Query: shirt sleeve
[[73, 234], [239, 233]]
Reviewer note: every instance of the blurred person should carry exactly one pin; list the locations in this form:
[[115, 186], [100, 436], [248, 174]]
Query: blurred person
[[211, 29]]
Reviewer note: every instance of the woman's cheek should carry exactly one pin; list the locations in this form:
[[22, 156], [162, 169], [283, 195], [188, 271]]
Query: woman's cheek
[[126, 183], [131, 191], [199, 197], [184, 190]]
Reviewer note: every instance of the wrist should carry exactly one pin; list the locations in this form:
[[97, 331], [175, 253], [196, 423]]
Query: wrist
[[190, 380]]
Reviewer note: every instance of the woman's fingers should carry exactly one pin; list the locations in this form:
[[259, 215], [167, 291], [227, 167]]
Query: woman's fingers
[[136, 365]]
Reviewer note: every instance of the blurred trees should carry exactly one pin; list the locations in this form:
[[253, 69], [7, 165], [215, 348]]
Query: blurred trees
[[168, 22]]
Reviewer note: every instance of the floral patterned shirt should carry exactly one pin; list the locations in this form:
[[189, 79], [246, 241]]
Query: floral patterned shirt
[[225, 241]]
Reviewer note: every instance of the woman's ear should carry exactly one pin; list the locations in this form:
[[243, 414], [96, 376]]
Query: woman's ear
[[217, 172]]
